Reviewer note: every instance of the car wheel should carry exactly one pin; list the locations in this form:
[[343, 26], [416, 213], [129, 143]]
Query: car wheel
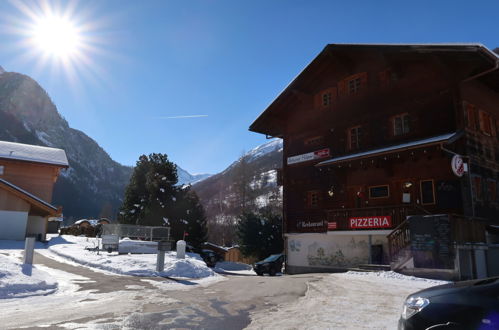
[[259, 273], [272, 272]]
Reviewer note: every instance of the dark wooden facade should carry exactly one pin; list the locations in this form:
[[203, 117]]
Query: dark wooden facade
[[411, 107]]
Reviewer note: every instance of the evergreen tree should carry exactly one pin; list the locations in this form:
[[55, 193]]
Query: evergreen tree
[[260, 234], [192, 218], [151, 194], [153, 199]]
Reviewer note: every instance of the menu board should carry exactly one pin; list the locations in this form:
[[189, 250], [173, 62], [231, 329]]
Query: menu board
[[431, 244]]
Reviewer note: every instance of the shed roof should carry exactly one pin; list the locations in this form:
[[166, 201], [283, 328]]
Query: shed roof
[[33, 153], [394, 148], [39, 204]]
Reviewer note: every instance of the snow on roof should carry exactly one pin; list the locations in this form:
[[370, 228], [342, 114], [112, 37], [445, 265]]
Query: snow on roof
[[32, 153], [215, 246], [398, 147], [7, 183], [92, 222]]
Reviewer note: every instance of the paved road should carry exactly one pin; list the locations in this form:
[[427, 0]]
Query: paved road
[[101, 301]]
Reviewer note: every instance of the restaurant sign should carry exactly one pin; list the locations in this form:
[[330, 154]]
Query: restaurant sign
[[310, 224], [383, 221], [457, 165], [323, 153]]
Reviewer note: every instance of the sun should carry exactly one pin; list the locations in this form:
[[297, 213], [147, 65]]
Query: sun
[[56, 36]]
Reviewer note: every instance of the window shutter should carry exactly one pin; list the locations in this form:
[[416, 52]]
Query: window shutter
[[383, 79], [480, 120], [334, 94], [363, 79], [342, 88], [492, 126], [470, 109], [318, 100]]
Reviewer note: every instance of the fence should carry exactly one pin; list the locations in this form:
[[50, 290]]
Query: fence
[[148, 233]]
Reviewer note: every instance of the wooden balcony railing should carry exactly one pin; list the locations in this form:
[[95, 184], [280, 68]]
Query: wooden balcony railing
[[399, 239]]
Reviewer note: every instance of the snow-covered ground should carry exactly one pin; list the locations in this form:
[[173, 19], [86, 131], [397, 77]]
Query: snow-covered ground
[[352, 300], [73, 248], [19, 281]]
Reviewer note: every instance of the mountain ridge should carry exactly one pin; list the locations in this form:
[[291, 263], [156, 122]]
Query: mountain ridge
[[94, 184]]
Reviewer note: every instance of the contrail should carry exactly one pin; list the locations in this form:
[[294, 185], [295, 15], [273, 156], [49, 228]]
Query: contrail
[[177, 117]]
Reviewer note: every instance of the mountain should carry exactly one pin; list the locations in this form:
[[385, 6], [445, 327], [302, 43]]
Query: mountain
[[247, 184], [94, 184], [185, 177]]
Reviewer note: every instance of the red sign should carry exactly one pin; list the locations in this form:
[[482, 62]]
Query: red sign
[[383, 221], [323, 153], [332, 225]]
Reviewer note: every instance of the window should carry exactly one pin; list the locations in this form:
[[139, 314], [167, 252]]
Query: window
[[485, 122], [1, 170], [326, 99], [471, 116], [477, 187], [354, 137], [401, 124], [379, 192], [354, 85], [427, 192], [313, 198]]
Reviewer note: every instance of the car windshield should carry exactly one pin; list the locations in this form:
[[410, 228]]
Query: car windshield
[[273, 257]]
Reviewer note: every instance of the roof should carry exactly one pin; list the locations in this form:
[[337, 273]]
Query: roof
[[266, 121], [35, 201], [32, 153], [394, 148]]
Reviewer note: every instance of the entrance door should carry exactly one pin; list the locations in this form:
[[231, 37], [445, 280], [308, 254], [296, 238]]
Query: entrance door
[[377, 254]]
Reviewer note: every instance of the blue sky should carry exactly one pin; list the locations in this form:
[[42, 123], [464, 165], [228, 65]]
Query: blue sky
[[225, 60]]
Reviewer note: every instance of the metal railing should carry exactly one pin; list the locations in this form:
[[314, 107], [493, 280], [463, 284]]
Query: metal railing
[[148, 233]]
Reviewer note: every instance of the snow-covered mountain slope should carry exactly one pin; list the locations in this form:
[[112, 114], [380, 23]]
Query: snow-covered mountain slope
[[185, 177], [248, 183], [94, 184]]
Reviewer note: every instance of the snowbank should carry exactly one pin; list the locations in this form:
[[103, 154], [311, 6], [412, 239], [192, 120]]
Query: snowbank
[[19, 281], [73, 248], [395, 276]]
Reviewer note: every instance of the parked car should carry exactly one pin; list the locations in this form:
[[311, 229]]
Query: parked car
[[210, 257], [270, 265], [461, 305]]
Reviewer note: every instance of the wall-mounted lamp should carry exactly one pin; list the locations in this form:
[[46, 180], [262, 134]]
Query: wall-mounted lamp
[[407, 185]]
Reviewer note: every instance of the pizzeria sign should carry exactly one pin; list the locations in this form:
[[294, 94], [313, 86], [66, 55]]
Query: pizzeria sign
[[323, 153], [382, 221]]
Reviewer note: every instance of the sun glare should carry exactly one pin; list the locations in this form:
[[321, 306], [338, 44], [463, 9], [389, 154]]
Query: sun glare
[[56, 36]]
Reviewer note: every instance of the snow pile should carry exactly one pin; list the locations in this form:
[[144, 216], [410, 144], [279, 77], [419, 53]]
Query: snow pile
[[189, 268], [73, 248], [19, 281], [396, 276]]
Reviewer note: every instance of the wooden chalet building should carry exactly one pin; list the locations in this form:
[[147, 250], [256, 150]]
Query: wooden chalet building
[[27, 177], [370, 132]]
